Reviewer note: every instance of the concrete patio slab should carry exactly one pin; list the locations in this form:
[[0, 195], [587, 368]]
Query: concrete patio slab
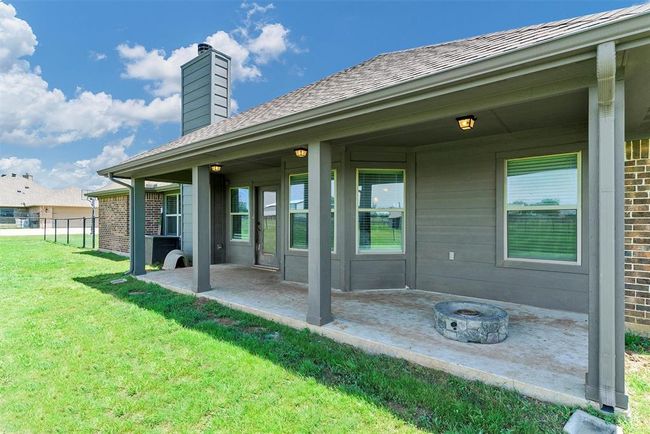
[[545, 355]]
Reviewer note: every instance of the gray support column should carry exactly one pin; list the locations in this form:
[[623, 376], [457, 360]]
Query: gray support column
[[201, 228], [411, 221], [345, 212], [605, 379], [619, 294], [137, 225], [319, 269]]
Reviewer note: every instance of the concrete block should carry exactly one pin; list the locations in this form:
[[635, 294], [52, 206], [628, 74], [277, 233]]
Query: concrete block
[[584, 423]]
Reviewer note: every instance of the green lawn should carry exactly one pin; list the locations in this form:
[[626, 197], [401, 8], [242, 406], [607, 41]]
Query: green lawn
[[78, 353]]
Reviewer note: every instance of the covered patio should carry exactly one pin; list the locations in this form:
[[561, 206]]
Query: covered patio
[[500, 177], [545, 355]]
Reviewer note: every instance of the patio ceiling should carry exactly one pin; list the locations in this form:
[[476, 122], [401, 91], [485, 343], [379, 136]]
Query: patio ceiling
[[562, 110]]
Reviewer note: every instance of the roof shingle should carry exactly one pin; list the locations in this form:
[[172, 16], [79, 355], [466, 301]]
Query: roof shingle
[[397, 67]]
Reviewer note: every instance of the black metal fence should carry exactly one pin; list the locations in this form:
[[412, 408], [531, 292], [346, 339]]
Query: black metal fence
[[80, 232]]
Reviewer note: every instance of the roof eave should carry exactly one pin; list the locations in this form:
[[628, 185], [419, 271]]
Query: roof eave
[[632, 31], [118, 191]]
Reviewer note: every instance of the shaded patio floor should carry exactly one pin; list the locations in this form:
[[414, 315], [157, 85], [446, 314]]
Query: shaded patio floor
[[545, 355]]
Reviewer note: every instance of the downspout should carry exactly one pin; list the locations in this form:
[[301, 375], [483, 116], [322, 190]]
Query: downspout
[[130, 188]]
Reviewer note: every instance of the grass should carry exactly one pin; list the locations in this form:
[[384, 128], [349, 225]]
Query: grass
[[78, 353], [637, 370], [75, 240]]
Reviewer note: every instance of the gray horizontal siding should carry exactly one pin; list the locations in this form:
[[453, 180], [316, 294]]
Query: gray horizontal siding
[[240, 253], [196, 123], [198, 76], [197, 88], [456, 211], [378, 274], [194, 103], [204, 92], [186, 230], [295, 270]]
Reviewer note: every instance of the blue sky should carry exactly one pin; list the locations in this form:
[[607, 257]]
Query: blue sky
[[86, 84]]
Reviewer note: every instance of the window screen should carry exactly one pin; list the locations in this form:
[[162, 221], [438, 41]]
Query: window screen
[[172, 208], [239, 214], [543, 207], [380, 210], [299, 211]]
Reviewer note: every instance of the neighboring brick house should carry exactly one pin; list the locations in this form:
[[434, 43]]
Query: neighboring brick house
[[162, 213], [637, 235]]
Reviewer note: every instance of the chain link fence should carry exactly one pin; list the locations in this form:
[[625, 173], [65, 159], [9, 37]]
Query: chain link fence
[[79, 232]]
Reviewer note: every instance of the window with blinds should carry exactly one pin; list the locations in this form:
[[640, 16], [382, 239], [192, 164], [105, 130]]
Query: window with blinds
[[239, 214], [380, 210], [542, 215], [172, 208], [299, 211]]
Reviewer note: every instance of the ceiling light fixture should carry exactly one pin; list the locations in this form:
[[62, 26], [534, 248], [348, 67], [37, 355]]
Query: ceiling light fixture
[[466, 122], [300, 152], [215, 167]]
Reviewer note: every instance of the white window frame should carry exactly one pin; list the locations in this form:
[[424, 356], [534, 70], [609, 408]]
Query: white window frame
[[578, 208], [360, 210], [231, 214], [178, 214], [306, 211]]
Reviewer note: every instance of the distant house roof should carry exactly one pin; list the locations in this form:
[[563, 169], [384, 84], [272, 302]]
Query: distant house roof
[[389, 69], [17, 191], [113, 188]]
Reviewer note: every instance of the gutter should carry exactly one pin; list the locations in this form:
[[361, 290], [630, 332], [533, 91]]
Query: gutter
[[131, 200]]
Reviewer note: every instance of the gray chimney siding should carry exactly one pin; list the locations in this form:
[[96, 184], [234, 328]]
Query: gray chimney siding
[[205, 90]]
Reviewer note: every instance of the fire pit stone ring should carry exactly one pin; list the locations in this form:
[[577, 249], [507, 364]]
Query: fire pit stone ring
[[467, 321]]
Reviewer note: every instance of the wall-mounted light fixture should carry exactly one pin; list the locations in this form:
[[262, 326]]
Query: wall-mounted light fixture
[[300, 152], [215, 167], [466, 122]]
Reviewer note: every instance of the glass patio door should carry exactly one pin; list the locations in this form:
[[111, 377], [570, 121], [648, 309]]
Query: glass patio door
[[266, 228]]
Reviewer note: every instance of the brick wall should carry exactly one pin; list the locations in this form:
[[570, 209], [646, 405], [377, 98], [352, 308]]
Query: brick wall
[[637, 235], [114, 223], [114, 220], [153, 202]]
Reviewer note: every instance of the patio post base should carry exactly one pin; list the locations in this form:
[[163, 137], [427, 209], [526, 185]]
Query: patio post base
[[319, 320]]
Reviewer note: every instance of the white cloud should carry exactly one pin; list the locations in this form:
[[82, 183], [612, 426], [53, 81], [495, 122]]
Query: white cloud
[[19, 165], [80, 173], [97, 56], [33, 114], [154, 66], [254, 8], [250, 46], [16, 38]]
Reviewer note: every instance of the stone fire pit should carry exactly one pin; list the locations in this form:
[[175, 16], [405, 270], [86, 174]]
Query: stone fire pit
[[466, 321]]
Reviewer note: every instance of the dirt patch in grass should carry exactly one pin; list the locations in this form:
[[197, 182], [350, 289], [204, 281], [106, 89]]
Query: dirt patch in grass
[[636, 362], [203, 305], [226, 321]]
